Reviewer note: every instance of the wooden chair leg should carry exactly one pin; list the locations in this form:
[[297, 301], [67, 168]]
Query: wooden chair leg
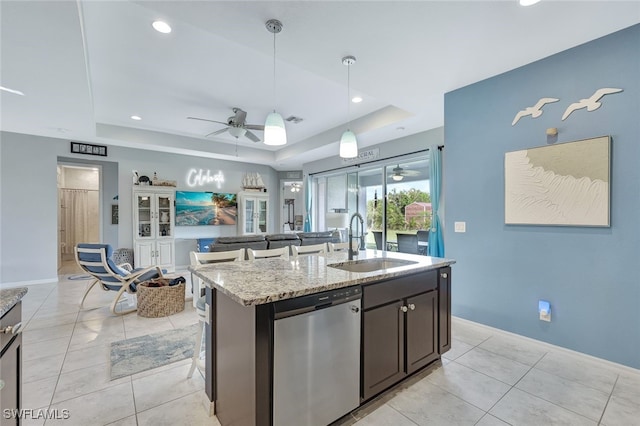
[[86, 293], [117, 299]]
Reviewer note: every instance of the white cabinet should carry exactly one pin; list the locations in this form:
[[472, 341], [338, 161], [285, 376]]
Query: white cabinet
[[153, 227], [253, 212]]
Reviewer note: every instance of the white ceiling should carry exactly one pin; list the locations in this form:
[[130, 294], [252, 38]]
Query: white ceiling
[[86, 67]]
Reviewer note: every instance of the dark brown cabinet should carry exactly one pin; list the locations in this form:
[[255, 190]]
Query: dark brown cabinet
[[444, 310], [399, 329], [10, 366]]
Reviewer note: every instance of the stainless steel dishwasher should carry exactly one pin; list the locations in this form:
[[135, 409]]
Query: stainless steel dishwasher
[[316, 371]]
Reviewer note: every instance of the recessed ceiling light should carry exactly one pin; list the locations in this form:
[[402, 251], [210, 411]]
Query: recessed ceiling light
[[136, 117], [528, 2], [356, 99], [161, 27]]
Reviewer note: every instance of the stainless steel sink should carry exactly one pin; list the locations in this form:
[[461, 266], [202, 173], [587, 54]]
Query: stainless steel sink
[[369, 265]]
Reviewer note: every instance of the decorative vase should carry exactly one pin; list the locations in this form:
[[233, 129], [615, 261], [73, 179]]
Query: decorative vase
[[164, 217]]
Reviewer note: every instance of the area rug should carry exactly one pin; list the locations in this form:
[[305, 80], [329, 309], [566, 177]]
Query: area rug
[[143, 353]]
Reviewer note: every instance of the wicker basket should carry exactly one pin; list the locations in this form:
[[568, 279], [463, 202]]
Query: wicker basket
[[155, 302]]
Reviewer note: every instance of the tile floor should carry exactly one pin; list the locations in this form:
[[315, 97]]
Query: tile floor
[[487, 378]]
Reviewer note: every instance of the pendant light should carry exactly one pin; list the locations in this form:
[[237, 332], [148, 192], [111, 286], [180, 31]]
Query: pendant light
[[274, 130], [348, 142]]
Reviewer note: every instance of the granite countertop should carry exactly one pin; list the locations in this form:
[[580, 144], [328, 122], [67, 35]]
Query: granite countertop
[[9, 297], [255, 282]]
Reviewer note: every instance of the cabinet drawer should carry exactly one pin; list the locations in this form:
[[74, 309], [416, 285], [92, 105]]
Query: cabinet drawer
[[398, 288], [11, 318]]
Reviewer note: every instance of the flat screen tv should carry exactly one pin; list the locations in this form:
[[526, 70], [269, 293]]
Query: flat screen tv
[[205, 208]]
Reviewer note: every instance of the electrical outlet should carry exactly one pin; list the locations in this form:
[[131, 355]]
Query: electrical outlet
[[460, 226]]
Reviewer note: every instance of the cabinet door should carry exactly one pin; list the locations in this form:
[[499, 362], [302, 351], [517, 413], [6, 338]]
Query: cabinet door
[[164, 254], [163, 213], [422, 338], [262, 213], [10, 375], [144, 254], [382, 348], [249, 216], [143, 215], [444, 310]]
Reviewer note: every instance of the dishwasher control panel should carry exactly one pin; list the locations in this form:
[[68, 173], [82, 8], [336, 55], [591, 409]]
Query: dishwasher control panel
[[316, 301]]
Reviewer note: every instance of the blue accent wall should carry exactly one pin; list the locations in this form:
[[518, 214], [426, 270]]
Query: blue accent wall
[[591, 276]]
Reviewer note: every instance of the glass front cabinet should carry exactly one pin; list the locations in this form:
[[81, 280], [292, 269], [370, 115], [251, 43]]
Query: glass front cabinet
[[253, 212], [153, 227]]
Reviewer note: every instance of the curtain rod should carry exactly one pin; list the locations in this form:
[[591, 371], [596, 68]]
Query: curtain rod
[[440, 147]]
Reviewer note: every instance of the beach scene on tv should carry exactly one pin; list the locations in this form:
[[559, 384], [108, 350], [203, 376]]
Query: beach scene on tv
[[205, 208]]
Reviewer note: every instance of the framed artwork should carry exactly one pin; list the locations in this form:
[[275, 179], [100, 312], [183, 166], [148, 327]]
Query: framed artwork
[[566, 184], [206, 208], [114, 214], [88, 149]]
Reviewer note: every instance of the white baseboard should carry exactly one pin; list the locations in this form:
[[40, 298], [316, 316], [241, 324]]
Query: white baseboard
[[592, 358], [29, 282]]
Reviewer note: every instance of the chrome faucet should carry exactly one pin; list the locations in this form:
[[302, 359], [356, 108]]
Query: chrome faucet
[[351, 251]]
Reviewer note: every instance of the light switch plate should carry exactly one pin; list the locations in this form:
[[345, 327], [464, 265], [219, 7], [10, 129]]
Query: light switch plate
[[460, 226]]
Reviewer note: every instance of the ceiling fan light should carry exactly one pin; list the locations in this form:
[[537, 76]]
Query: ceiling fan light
[[348, 145], [236, 132], [275, 133], [397, 177]]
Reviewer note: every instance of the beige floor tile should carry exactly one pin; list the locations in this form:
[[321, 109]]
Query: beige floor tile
[[579, 369], [97, 408], [45, 348], [475, 388], [41, 368], [49, 333], [83, 381], [385, 416], [621, 411], [571, 395], [427, 404], [628, 386], [38, 393], [521, 408], [165, 386], [493, 365], [86, 357], [127, 421], [489, 420], [468, 332], [40, 321], [187, 410], [458, 348], [515, 349]]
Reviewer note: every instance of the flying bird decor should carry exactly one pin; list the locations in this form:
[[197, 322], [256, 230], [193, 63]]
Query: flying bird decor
[[534, 111], [591, 104]]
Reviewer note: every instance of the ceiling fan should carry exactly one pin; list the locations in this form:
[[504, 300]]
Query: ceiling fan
[[399, 173], [236, 125]]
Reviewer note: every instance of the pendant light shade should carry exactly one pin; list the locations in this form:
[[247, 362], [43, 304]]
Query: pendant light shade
[[274, 131], [348, 145], [348, 142]]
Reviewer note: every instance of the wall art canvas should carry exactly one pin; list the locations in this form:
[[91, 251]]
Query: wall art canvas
[[566, 184], [205, 208]]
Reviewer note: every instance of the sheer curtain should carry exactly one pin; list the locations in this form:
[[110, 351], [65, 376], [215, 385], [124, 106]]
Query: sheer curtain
[[74, 204], [436, 241]]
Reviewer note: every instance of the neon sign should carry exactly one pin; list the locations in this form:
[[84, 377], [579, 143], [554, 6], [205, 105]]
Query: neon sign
[[200, 178]]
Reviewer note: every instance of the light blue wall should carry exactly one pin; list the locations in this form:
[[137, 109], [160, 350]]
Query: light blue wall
[[28, 200], [591, 276]]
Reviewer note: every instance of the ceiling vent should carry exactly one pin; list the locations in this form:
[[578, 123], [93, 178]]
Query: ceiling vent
[[294, 119]]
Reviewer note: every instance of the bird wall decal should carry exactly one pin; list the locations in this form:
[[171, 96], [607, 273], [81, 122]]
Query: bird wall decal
[[534, 111], [591, 104]]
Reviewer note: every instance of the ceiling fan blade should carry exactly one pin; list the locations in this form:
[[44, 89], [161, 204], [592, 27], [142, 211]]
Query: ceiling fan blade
[[240, 117], [251, 136], [411, 173], [204, 119], [254, 126], [217, 132]]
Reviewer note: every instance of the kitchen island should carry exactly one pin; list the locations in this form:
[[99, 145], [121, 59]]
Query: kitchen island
[[403, 324]]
